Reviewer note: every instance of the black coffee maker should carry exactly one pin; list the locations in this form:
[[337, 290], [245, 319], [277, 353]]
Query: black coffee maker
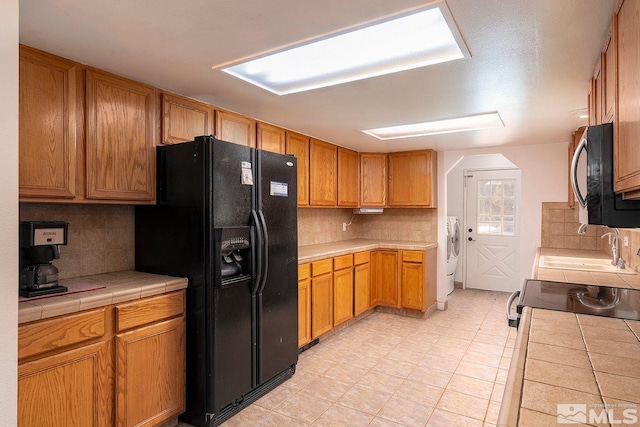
[[39, 245]]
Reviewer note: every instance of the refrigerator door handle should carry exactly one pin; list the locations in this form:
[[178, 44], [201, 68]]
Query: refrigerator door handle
[[258, 250], [265, 251]]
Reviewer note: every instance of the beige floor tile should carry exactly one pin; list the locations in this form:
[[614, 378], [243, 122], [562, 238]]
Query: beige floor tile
[[248, 416], [381, 422], [463, 404], [402, 411], [554, 374], [419, 392], [340, 416], [497, 393], [492, 413], [441, 418], [315, 364], [616, 365], [492, 339], [619, 387], [346, 373], [482, 358], [461, 334], [439, 362], [560, 355], [276, 397], [380, 381], [303, 407], [365, 399], [447, 351], [501, 378], [394, 367], [474, 370], [545, 398], [431, 376], [471, 386], [327, 389], [454, 342], [274, 419]]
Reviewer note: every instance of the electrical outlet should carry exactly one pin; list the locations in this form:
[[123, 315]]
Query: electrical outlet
[[625, 241], [344, 226]]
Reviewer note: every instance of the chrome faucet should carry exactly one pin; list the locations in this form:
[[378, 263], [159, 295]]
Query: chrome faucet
[[614, 240]]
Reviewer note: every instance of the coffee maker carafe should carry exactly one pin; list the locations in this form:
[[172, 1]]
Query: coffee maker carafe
[[39, 245]]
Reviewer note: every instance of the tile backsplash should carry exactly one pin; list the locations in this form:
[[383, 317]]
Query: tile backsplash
[[559, 230], [325, 225], [101, 237]]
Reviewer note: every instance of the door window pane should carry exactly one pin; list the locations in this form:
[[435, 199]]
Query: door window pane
[[496, 207]]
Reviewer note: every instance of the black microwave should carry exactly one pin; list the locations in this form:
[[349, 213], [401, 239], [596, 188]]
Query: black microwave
[[602, 205]]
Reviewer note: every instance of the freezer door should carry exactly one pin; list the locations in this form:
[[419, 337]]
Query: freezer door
[[277, 299]]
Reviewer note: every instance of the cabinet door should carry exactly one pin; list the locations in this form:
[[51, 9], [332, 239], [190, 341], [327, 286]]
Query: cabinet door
[[609, 76], [304, 307], [150, 374], [183, 119], [321, 304], [625, 148], [235, 128], [385, 277], [323, 173], [67, 389], [298, 145], [412, 280], [412, 177], [373, 180], [271, 138], [348, 181], [342, 296], [362, 290], [120, 138], [49, 118], [598, 82]]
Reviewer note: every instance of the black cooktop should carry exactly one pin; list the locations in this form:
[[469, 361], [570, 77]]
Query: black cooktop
[[621, 303]]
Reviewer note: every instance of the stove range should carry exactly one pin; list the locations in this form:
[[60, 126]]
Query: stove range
[[608, 301]]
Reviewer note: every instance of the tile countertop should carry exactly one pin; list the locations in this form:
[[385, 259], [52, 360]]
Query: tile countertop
[[567, 359], [325, 250], [118, 287]]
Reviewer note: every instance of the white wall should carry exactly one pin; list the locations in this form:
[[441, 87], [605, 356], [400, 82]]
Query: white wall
[[544, 179], [9, 211]]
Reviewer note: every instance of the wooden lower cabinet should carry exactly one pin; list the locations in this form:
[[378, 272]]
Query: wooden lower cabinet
[[384, 278], [304, 304], [412, 280], [67, 389], [150, 374], [342, 289], [321, 297], [361, 283], [77, 370]]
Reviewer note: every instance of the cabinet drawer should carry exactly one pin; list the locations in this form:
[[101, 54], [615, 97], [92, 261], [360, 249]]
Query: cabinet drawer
[[412, 256], [343, 261], [148, 310], [304, 271], [361, 257], [322, 267], [60, 332]]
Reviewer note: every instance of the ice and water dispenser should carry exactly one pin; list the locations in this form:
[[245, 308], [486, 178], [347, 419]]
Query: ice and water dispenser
[[234, 245]]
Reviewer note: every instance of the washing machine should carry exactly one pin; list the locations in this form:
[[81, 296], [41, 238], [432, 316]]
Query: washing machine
[[453, 250]]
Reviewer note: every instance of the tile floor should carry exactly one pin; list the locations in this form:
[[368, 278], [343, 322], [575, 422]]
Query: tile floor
[[393, 371]]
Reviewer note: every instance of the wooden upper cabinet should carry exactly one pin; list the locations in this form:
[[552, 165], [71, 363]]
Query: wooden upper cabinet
[[598, 85], [608, 66], [412, 179], [271, 138], [323, 173], [348, 182], [120, 133], [625, 147], [232, 127], [298, 145], [183, 119], [373, 180], [50, 122]]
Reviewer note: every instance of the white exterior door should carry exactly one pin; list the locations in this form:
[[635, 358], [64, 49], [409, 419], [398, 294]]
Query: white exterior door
[[492, 229]]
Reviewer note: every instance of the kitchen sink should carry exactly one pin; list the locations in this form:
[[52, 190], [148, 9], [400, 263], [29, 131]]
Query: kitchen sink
[[582, 264]]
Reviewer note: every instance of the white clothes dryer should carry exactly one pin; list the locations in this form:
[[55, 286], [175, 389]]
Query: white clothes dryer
[[453, 250]]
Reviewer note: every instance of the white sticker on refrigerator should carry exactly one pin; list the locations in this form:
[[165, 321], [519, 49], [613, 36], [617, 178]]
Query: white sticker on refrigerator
[[247, 175], [279, 189]]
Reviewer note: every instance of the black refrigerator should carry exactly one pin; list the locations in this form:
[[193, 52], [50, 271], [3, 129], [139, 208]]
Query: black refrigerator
[[226, 218]]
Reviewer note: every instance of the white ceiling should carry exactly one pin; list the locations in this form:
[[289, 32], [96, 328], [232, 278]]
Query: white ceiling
[[531, 61]]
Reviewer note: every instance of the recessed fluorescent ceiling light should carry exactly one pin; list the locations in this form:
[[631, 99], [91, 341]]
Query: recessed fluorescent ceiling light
[[460, 124], [419, 38]]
